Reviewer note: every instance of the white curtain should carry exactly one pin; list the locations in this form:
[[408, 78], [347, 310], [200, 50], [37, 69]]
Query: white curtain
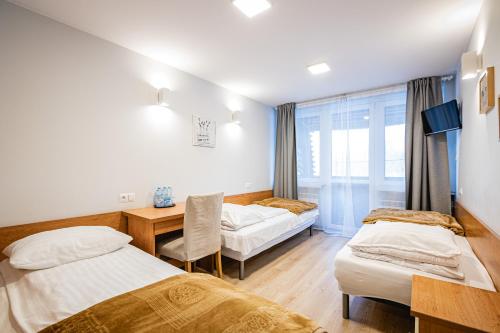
[[350, 156]]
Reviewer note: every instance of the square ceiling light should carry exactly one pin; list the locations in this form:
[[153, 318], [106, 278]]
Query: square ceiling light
[[252, 7], [319, 68]]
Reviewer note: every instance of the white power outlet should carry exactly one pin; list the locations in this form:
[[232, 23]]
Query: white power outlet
[[131, 197], [123, 197]]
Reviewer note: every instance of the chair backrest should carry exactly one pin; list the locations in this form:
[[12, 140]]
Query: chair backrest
[[202, 225]]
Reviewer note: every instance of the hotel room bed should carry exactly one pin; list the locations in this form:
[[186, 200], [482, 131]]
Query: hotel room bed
[[40, 298], [372, 278], [151, 295], [251, 240], [80, 274]]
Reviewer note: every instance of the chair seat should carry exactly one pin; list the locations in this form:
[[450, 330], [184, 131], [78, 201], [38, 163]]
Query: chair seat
[[173, 249]]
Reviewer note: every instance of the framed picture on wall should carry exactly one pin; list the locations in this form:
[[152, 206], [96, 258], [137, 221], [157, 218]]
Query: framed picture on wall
[[203, 132], [487, 91]]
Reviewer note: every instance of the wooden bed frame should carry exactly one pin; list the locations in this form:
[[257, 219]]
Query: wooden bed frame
[[484, 242], [248, 198], [114, 220]]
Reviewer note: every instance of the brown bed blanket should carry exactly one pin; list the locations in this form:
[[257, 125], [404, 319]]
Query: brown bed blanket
[[186, 303], [415, 216], [294, 206]]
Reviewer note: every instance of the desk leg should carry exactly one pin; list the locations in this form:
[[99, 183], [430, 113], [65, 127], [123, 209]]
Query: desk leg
[[143, 234]]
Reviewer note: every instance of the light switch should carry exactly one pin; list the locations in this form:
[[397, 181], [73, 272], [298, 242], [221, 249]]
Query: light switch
[[131, 197], [248, 186], [123, 197]]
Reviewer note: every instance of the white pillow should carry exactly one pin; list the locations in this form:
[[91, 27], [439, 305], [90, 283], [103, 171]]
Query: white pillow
[[235, 217], [422, 243], [56, 247]]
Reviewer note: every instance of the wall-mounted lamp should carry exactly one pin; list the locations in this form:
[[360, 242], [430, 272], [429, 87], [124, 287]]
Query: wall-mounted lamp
[[236, 117], [163, 97], [471, 65]]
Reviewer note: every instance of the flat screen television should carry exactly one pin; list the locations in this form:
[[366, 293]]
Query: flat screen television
[[441, 118]]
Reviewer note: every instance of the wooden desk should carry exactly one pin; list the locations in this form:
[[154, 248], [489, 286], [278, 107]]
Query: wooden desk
[[446, 307], [145, 223]]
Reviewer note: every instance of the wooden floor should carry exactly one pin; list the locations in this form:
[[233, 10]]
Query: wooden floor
[[299, 275]]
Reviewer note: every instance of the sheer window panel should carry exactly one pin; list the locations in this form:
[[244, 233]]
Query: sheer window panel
[[349, 156], [308, 155], [395, 116]]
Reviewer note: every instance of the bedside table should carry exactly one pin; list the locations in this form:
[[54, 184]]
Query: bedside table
[[440, 306]]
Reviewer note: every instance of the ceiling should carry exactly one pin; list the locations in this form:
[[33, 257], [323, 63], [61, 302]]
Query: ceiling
[[366, 43]]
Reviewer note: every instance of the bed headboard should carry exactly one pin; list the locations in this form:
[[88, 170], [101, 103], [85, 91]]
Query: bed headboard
[[484, 242], [115, 220], [10, 234], [248, 198]]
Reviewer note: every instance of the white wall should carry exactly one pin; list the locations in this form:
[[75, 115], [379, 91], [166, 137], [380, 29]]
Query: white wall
[[479, 164], [78, 126]]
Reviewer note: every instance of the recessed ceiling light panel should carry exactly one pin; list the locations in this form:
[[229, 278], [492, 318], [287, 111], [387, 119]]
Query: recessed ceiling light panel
[[318, 68], [252, 7]]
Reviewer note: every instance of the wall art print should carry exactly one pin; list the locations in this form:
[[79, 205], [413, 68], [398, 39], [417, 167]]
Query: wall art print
[[204, 132]]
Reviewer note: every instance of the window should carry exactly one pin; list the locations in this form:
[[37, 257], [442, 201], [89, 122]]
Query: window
[[350, 135], [350, 155], [394, 166], [308, 147], [314, 138]]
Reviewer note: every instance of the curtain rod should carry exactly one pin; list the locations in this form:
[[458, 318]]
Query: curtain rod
[[326, 99], [446, 77]]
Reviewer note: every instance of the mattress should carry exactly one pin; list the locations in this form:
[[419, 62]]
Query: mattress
[[249, 238], [40, 298], [373, 278]]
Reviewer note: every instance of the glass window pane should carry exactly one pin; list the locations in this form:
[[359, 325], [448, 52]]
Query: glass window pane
[[350, 143], [308, 148], [394, 141], [339, 152], [359, 141], [314, 141]]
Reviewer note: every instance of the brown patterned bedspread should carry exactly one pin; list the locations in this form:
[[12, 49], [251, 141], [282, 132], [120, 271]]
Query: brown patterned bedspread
[[294, 206], [186, 303], [415, 216]]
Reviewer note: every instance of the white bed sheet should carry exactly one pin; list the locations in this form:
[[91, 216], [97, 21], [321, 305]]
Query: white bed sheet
[[40, 298], [7, 323], [251, 237], [372, 278]]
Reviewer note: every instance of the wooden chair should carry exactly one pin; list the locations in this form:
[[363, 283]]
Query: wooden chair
[[201, 236]]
